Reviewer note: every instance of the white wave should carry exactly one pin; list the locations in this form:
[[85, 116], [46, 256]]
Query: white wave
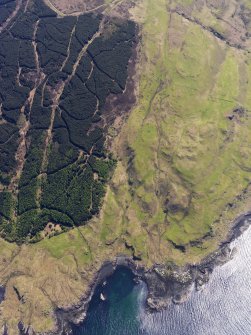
[[222, 308]]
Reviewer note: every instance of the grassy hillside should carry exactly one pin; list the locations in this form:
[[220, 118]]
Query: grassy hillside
[[184, 164], [188, 138]]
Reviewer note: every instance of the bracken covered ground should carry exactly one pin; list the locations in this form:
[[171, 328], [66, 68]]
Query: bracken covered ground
[[183, 160]]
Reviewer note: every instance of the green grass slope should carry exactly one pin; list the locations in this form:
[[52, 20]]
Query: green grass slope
[[184, 162], [189, 136]]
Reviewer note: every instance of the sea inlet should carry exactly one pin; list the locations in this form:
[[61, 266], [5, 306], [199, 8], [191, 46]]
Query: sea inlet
[[222, 307]]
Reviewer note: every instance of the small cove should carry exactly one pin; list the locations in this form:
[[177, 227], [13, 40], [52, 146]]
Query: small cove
[[222, 307]]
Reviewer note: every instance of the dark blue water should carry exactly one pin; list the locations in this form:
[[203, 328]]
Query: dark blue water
[[118, 313], [223, 307]]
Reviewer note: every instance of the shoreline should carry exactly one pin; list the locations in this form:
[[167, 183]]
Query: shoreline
[[165, 283]]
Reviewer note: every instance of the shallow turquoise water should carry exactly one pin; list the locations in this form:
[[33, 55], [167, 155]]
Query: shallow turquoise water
[[223, 307]]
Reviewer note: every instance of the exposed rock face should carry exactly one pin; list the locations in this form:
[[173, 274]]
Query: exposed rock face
[[168, 284], [183, 159]]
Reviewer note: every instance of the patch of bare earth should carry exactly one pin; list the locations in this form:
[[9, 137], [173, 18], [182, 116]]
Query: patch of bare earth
[[118, 106], [234, 20], [76, 6]]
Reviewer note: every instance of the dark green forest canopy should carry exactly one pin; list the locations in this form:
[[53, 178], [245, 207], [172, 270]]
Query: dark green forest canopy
[[55, 77], [7, 7]]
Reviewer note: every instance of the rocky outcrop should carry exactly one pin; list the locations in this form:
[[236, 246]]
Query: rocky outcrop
[[166, 284]]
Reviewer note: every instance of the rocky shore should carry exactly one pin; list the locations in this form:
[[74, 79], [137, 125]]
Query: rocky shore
[[170, 283], [166, 283]]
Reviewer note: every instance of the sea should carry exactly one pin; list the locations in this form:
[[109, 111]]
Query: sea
[[222, 307]]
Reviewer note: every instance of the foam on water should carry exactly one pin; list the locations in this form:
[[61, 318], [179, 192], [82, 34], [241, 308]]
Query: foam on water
[[223, 307]]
